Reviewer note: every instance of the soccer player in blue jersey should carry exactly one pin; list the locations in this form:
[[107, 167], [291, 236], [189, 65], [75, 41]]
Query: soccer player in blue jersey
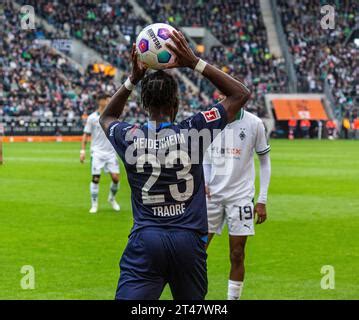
[[163, 161]]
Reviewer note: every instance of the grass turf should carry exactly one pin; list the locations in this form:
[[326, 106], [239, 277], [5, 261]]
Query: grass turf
[[313, 221]]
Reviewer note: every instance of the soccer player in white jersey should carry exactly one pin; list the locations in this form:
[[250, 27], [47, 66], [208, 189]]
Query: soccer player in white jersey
[[230, 186], [103, 156]]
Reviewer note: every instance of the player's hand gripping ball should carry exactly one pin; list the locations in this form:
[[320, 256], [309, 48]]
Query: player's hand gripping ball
[[151, 48]]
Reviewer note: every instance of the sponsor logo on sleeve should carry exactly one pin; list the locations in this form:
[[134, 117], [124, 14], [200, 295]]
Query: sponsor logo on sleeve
[[211, 115]]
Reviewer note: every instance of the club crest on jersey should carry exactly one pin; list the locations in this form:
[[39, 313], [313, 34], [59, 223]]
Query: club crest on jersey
[[211, 115], [242, 135]]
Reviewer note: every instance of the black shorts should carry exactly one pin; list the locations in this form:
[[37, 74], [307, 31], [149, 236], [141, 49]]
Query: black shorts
[[156, 256]]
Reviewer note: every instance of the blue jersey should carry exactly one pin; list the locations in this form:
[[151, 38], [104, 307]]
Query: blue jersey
[[164, 168]]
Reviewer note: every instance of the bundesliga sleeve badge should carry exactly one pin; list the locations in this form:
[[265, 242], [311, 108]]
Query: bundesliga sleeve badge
[[211, 115]]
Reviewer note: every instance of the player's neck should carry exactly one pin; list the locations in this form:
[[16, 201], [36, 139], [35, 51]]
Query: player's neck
[[160, 118]]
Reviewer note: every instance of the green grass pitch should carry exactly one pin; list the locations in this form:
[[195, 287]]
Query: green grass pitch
[[313, 221]]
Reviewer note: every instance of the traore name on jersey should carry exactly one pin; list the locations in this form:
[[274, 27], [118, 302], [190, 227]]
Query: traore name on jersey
[[167, 186]]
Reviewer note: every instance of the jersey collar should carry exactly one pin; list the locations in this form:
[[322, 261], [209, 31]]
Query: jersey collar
[[162, 125], [240, 114]]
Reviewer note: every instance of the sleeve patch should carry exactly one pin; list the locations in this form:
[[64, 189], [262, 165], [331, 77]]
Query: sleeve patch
[[211, 115]]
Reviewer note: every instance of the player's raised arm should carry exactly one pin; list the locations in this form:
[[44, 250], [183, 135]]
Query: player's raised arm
[[117, 103], [237, 94]]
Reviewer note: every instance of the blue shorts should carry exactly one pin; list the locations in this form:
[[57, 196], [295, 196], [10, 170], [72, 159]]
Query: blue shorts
[[156, 256]]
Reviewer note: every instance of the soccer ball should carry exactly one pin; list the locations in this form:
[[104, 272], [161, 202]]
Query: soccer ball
[[151, 48]]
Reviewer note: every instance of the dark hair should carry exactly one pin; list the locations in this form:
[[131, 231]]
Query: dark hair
[[102, 95], [159, 90]]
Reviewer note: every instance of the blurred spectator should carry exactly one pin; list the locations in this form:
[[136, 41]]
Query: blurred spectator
[[356, 128], [346, 126], [331, 127], [304, 127], [292, 125]]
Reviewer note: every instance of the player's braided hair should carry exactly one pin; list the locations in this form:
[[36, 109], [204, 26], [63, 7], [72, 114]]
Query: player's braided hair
[[159, 90]]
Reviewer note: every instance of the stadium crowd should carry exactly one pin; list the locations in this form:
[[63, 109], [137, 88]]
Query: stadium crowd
[[38, 81], [110, 27], [102, 26], [321, 54], [240, 28]]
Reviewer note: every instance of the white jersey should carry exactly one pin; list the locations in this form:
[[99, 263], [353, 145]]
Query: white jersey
[[100, 146], [231, 157]]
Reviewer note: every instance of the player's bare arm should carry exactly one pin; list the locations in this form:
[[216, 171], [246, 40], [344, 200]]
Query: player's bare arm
[[117, 103], [260, 209], [207, 174], [85, 137], [237, 94]]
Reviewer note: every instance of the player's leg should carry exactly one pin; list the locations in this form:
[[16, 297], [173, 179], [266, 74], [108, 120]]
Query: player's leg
[[215, 216], [113, 168], [236, 276], [115, 177], [94, 190], [240, 219], [210, 237], [187, 258], [143, 267], [96, 167]]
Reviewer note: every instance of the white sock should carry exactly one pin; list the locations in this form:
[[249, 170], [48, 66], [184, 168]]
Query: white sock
[[113, 189], [234, 290], [94, 188]]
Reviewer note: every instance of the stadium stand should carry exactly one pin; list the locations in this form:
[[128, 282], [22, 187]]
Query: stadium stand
[[239, 26], [39, 86], [103, 27], [110, 27], [322, 55]]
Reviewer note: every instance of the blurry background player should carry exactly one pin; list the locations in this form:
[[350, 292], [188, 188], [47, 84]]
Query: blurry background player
[[304, 127], [167, 241], [230, 193], [103, 156]]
